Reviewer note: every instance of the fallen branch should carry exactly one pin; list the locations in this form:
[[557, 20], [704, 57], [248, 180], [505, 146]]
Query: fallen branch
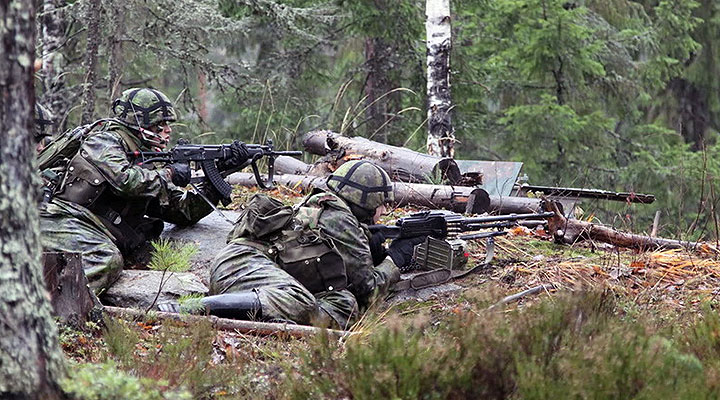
[[569, 231], [225, 324], [520, 295]]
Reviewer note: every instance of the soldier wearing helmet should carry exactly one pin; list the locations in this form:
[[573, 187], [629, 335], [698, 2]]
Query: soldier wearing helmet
[[107, 206], [44, 123], [246, 281]]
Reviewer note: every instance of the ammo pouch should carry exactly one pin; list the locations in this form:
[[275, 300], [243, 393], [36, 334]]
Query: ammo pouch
[[261, 218], [310, 259], [82, 184]]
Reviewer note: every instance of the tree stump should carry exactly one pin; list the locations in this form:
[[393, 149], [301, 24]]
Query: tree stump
[[71, 299]]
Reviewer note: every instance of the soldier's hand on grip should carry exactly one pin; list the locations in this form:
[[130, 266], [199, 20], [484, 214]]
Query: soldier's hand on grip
[[240, 154], [180, 174], [401, 250], [377, 250]]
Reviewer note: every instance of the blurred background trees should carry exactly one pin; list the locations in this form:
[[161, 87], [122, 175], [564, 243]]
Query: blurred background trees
[[613, 94]]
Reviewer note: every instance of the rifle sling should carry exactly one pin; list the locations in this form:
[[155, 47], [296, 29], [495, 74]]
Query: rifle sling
[[444, 275]]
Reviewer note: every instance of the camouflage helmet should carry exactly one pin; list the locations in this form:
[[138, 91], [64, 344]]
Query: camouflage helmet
[[143, 107], [362, 183], [43, 120]]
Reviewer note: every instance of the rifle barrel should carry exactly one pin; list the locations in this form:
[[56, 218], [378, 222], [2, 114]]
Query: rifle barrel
[[507, 217], [590, 194]]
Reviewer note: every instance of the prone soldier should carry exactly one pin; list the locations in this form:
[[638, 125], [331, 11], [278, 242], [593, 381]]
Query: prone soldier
[[322, 266]]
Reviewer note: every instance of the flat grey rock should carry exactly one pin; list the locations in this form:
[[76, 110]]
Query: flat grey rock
[[209, 236], [137, 288]]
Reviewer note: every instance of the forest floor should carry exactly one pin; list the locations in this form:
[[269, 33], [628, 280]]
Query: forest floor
[[608, 323]]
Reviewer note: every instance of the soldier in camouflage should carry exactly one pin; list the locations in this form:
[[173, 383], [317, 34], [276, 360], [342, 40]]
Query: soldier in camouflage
[[247, 284], [108, 206], [43, 132]]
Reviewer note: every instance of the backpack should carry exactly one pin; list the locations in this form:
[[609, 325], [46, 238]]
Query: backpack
[[53, 159], [292, 239]]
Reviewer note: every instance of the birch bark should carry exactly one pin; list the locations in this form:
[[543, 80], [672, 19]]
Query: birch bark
[[441, 135], [30, 359]]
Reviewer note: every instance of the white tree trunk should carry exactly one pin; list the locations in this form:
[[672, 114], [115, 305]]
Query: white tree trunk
[[441, 135]]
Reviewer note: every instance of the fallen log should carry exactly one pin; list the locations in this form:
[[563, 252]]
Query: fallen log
[[401, 164], [461, 199], [225, 324], [291, 165], [569, 231]]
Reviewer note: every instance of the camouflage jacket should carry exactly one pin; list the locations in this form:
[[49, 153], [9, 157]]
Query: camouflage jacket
[[351, 239], [104, 179]]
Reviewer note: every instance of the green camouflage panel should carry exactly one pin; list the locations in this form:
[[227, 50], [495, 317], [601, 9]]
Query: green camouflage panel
[[351, 239], [369, 186], [68, 227], [144, 107]]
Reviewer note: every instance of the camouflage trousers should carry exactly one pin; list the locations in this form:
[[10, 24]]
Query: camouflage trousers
[[67, 227], [241, 268]]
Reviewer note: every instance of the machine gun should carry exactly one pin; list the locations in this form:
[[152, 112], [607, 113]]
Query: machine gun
[[442, 224], [208, 155], [443, 251]]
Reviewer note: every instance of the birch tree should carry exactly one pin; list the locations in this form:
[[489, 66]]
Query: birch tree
[[30, 358], [441, 134]]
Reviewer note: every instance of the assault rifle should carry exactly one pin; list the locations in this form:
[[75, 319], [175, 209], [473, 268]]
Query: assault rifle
[[208, 155], [443, 251]]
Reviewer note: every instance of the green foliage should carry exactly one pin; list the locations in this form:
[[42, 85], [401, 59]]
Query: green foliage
[[191, 303], [572, 347], [171, 256], [106, 382], [176, 358]]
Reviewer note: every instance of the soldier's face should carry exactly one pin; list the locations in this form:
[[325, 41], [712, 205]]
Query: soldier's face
[[163, 130], [379, 212]]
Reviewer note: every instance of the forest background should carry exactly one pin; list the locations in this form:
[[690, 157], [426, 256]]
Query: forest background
[[612, 94]]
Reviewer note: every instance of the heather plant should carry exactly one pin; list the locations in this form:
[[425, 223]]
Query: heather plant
[[574, 346]]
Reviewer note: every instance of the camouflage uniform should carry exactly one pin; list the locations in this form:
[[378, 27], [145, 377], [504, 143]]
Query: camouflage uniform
[[109, 206], [44, 122], [243, 267]]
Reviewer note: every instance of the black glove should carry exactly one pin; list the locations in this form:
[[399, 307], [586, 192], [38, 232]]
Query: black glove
[[180, 174], [401, 251], [240, 154], [377, 250]]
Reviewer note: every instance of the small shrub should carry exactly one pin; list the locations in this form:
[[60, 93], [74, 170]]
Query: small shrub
[[106, 382]]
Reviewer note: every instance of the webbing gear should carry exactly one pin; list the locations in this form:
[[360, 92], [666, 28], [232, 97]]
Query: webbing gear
[[362, 183]]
